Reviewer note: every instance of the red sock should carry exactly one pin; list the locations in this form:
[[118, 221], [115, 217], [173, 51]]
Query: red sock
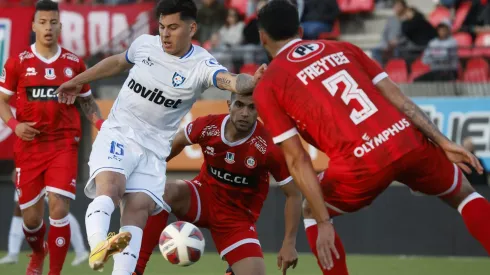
[[35, 237], [339, 265], [476, 215], [151, 235], [58, 242]]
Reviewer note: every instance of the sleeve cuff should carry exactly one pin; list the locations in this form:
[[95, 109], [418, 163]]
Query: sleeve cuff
[[285, 181], [379, 77], [186, 135], [282, 137], [6, 91], [87, 93], [215, 84], [127, 58]]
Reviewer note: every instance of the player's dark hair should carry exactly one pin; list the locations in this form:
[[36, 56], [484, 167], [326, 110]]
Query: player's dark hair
[[402, 2], [279, 19], [186, 8], [47, 5]]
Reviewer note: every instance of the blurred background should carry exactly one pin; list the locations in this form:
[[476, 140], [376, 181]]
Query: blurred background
[[437, 50]]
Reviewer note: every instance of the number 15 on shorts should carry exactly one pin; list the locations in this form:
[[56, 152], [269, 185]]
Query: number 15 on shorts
[[117, 149]]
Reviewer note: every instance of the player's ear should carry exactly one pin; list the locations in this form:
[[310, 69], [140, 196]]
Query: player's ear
[[193, 27], [300, 32], [229, 105], [263, 37]]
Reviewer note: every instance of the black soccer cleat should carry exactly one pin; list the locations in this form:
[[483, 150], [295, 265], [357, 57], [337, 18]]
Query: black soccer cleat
[[229, 271]]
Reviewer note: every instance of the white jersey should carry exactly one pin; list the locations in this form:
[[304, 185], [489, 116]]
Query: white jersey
[[159, 91]]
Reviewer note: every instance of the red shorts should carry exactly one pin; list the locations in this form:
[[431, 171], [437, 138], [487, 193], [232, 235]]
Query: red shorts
[[425, 169], [235, 238], [38, 173]]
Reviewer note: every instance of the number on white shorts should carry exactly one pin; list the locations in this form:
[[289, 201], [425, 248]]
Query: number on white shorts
[[351, 91]]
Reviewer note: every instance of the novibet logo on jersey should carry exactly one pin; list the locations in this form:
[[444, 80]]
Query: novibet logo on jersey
[[5, 31]]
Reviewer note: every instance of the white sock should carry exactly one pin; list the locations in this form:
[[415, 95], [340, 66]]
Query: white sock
[[98, 219], [76, 235], [125, 262], [16, 235]]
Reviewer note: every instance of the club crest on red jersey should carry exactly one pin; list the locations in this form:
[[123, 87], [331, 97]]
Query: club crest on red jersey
[[50, 75], [250, 162], [230, 157], [68, 72], [304, 51]]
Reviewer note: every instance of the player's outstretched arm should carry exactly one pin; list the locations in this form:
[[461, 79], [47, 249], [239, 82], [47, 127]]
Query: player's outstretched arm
[[109, 66], [301, 168], [457, 154], [91, 110], [292, 215], [179, 143], [239, 83]]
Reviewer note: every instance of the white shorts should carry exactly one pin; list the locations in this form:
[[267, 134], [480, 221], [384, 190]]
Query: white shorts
[[143, 169]]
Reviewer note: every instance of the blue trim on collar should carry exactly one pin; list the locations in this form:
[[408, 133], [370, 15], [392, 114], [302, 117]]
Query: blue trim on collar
[[189, 52]]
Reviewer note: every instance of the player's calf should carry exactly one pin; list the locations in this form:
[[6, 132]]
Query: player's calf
[[59, 234], [475, 211]]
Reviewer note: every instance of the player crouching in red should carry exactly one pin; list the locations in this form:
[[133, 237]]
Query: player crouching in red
[[46, 150], [228, 194]]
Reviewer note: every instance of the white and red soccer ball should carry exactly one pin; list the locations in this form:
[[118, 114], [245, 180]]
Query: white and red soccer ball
[[182, 243]]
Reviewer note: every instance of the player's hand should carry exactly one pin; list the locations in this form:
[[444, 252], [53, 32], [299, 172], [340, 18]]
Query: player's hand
[[25, 131], [259, 73], [462, 157], [287, 257], [325, 245], [68, 92]]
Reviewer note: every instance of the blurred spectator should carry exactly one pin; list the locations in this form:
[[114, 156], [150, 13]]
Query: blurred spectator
[[478, 18], [474, 177], [391, 35], [210, 17], [319, 16], [415, 26], [231, 34], [441, 55], [251, 30]]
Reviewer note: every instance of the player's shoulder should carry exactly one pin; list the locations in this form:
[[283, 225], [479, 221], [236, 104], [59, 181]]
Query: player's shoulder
[[203, 57], [261, 131], [147, 38], [212, 118], [25, 55], [69, 56]]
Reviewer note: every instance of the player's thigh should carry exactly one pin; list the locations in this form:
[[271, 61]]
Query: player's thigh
[[249, 265], [179, 196], [427, 170], [344, 195], [112, 160], [196, 209], [237, 241], [60, 176]]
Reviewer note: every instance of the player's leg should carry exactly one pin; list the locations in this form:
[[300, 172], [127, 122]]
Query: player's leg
[[250, 265], [81, 253], [144, 192], [178, 197], [16, 236], [340, 265], [112, 160]]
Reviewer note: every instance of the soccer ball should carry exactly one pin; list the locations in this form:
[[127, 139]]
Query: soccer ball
[[182, 243]]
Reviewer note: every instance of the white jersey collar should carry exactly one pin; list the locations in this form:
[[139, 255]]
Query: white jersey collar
[[43, 59], [238, 142]]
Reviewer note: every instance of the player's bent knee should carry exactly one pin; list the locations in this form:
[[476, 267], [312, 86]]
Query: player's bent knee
[[454, 200], [307, 214], [32, 217], [177, 195], [111, 184], [59, 206], [249, 265]]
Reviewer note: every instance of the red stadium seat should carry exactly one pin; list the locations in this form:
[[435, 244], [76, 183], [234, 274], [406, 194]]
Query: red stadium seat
[[482, 45], [207, 45], [397, 70], [461, 14], [465, 44], [476, 70], [438, 14], [418, 68], [240, 5], [334, 34], [249, 68], [355, 6]]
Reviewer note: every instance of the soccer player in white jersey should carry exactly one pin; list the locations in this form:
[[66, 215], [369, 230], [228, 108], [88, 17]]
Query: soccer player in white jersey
[[127, 163]]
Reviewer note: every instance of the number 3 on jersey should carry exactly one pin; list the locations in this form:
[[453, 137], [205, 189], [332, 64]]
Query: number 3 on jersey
[[350, 92]]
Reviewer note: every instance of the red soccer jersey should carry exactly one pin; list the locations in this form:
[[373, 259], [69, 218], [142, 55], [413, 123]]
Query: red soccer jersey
[[238, 172], [32, 79], [326, 91]]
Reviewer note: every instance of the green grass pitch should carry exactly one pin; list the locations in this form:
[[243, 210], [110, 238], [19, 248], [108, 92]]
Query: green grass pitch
[[210, 264]]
